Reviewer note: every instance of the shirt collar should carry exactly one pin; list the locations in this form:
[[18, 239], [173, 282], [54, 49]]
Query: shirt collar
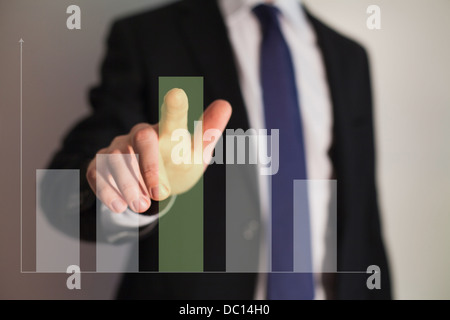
[[290, 9], [287, 7]]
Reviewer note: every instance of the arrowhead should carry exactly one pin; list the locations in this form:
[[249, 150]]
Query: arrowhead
[[21, 40]]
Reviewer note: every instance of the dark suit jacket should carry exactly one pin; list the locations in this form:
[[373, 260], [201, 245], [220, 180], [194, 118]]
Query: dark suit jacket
[[189, 38]]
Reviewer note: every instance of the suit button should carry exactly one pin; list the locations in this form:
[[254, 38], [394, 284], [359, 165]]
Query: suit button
[[251, 230]]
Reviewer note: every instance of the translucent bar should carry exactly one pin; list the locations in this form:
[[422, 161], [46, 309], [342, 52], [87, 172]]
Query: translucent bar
[[118, 241], [243, 219], [181, 229], [315, 226], [57, 220]]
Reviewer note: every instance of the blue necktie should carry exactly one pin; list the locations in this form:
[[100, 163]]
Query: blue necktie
[[282, 112]]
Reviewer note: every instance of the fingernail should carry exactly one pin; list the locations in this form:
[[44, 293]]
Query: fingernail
[[140, 205], [118, 206], [159, 192]]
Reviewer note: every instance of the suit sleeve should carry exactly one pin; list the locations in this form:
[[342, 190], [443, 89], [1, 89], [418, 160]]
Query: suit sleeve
[[379, 255], [362, 237], [118, 103]]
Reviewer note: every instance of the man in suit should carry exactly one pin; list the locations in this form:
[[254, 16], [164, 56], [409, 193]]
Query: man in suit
[[213, 39]]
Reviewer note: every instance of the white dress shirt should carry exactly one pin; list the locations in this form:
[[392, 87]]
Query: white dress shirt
[[314, 101], [315, 109]]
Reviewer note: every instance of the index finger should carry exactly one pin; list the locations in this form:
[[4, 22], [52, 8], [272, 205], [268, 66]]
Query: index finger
[[174, 112]]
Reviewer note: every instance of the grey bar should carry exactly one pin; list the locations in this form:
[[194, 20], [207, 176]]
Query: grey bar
[[243, 224], [119, 252], [58, 228], [315, 226], [302, 228], [330, 257]]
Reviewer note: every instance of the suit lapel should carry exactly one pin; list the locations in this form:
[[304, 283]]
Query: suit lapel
[[335, 72], [333, 57]]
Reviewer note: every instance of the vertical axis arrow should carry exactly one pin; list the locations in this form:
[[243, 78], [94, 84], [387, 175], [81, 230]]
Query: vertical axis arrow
[[21, 155]]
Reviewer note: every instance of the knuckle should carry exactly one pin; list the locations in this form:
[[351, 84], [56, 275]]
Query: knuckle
[[150, 171], [104, 194], [118, 140], [91, 174], [138, 127], [115, 151], [144, 135], [102, 151], [129, 188], [115, 158]]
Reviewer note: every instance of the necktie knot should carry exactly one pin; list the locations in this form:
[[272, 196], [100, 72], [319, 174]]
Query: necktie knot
[[267, 15]]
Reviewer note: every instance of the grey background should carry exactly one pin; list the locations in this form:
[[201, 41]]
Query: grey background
[[411, 78]]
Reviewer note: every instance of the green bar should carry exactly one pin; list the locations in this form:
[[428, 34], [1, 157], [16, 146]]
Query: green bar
[[181, 229]]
